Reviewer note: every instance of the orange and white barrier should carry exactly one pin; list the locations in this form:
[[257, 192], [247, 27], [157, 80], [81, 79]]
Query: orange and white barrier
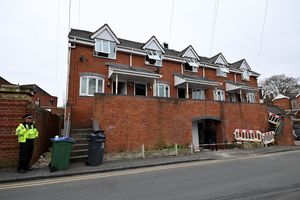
[[273, 118], [268, 137], [245, 135]]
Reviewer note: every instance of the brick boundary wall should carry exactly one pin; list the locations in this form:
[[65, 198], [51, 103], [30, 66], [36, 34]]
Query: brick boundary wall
[[11, 112], [130, 121]]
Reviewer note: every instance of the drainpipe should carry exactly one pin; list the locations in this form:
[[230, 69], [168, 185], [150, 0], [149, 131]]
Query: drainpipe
[[181, 68], [187, 90], [235, 77], [130, 58], [117, 79], [203, 72]]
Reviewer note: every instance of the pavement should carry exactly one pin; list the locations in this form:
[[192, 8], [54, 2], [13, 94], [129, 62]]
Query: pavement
[[79, 168]]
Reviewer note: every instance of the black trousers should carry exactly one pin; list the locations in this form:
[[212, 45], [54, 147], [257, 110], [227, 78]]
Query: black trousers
[[25, 154]]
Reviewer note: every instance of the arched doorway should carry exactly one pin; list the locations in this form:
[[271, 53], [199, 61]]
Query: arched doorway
[[201, 138]]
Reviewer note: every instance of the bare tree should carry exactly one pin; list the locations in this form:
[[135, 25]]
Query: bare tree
[[279, 84]]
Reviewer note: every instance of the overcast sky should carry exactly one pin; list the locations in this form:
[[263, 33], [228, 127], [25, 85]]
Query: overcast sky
[[33, 44]]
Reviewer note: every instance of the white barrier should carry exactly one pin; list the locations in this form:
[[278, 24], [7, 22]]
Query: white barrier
[[245, 135], [273, 118], [268, 137]]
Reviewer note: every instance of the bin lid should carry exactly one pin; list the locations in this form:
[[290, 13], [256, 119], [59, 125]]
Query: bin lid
[[97, 135], [62, 139]]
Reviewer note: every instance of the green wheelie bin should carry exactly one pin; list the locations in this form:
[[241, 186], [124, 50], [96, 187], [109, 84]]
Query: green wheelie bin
[[61, 153]]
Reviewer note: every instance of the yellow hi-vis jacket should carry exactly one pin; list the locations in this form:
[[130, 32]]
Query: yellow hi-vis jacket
[[26, 131]]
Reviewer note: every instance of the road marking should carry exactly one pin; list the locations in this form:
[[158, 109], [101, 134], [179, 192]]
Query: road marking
[[50, 181]]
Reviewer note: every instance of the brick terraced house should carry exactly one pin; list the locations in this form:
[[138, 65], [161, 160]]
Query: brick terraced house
[[146, 93]]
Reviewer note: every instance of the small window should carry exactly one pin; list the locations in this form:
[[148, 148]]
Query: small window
[[163, 90], [140, 89], [222, 71], [250, 97], [105, 48], [154, 58], [245, 75], [219, 95], [191, 65], [90, 85], [198, 94], [37, 102]]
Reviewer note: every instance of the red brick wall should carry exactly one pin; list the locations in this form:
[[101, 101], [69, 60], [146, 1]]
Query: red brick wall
[[131, 121], [286, 137], [284, 104], [11, 112]]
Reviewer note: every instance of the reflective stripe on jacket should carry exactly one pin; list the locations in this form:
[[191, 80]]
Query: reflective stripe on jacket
[[27, 131]]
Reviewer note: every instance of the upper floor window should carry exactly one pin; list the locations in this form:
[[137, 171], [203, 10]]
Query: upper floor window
[[105, 48], [219, 95], [250, 97], [163, 90], [198, 94], [90, 84], [245, 75], [222, 71], [154, 58], [191, 65]]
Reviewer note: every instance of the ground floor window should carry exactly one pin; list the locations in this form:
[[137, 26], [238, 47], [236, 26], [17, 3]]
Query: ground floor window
[[140, 89], [163, 90], [90, 84], [181, 93], [250, 97], [219, 95], [198, 94], [232, 97]]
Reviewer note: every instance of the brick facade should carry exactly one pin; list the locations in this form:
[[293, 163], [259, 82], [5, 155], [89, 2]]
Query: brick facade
[[130, 121]]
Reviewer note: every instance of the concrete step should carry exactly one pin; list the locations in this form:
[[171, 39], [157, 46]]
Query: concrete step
[[78, 146], [76, 131], [81, 158], [79, 152]]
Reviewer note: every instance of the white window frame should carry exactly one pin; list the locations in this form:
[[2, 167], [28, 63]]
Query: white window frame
[[192, 63], [100, 43], [233, 96], [154, 55], [166, 94], [219, 95], [86, 93], [245, 75], [195, 96], [250, 97], [140, 84]]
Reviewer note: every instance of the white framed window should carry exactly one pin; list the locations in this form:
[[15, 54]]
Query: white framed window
[[154, 58], [90, 85], [191, 65], [222, 71], [198, 94], [232, 97], [140, 89], [105, 48], [219, 95], [250, 97], [245, 75], [162, 90]]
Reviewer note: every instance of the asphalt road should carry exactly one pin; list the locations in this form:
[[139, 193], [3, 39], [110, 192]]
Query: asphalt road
[[273, 176]]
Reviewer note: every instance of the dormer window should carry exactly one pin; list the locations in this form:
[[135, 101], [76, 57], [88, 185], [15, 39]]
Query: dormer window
[[245, 75], [222, 71], [153, 58], [191, 65], [105, 48]]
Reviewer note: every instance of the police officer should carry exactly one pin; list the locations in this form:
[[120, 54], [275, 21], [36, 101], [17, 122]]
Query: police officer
[[26, 133]]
